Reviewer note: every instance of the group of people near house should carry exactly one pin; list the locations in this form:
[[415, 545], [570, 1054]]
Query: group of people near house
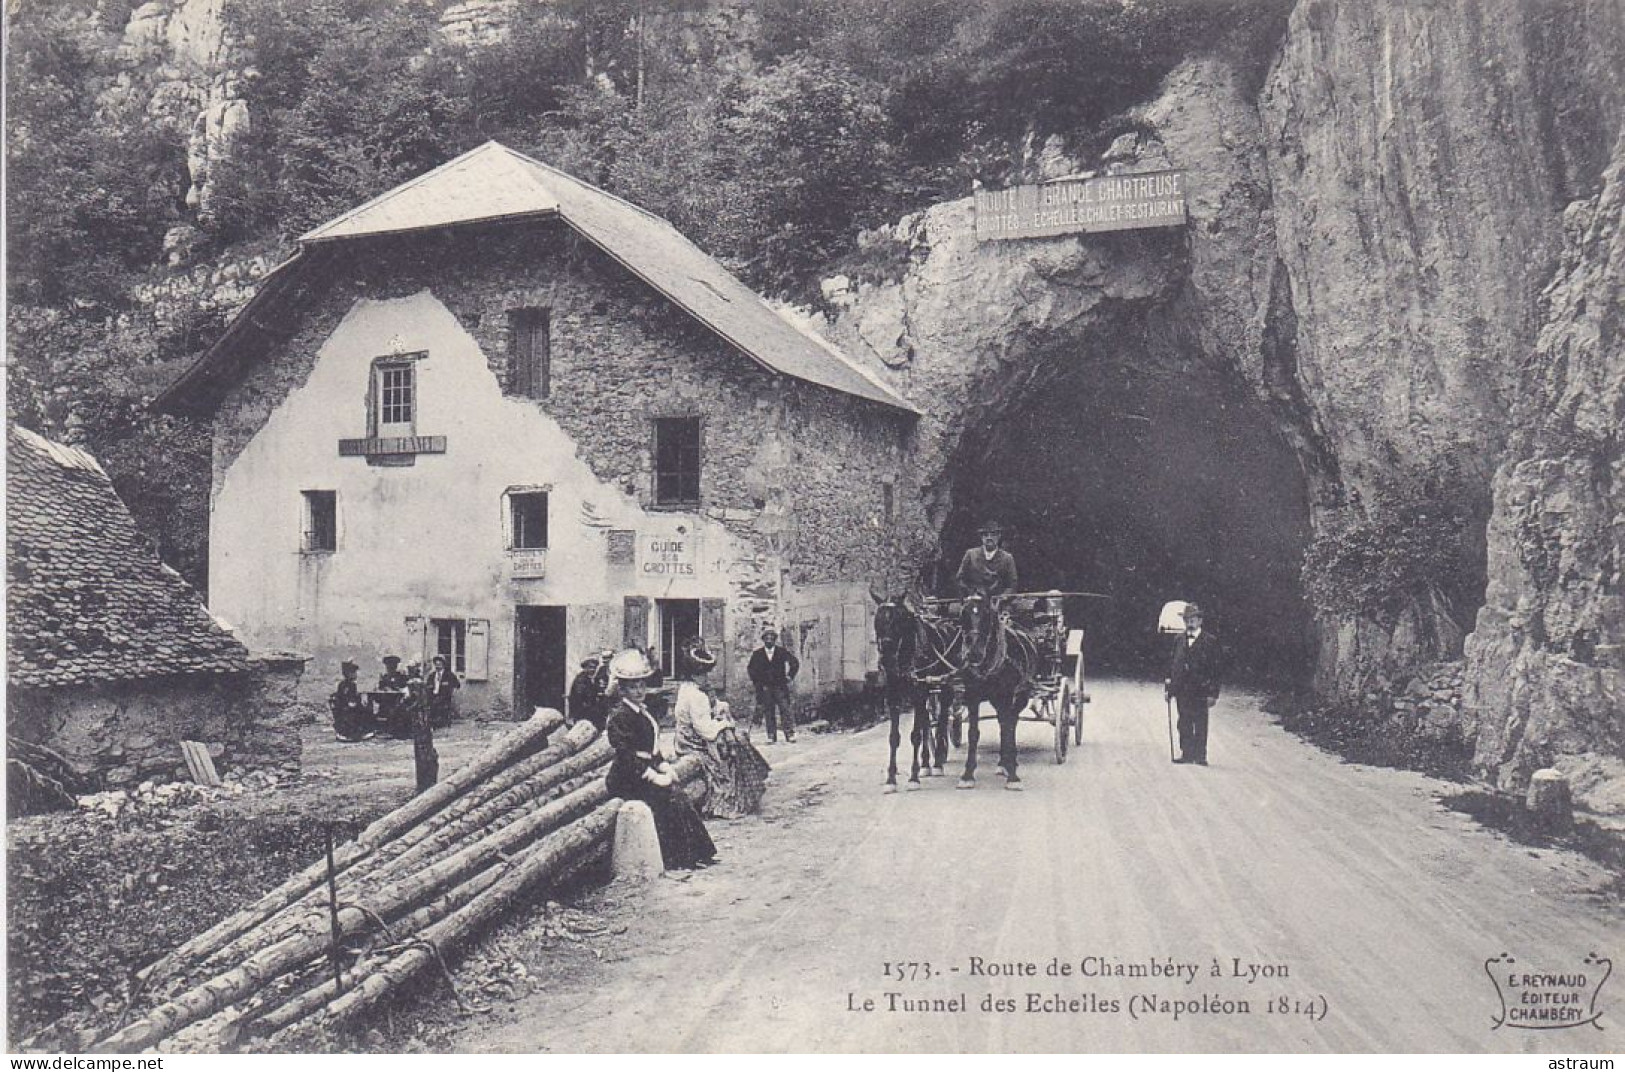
[[388, 709]]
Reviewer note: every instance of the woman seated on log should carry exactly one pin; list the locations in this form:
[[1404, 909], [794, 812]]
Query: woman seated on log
[[640, 772], [735, 772]]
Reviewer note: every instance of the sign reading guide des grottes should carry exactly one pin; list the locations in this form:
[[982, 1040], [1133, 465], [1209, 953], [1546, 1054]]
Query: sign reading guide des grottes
[[1070, 206], [667, 555]]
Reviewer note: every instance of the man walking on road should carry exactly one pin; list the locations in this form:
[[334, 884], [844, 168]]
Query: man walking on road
[[1193, 684], [771, 669]]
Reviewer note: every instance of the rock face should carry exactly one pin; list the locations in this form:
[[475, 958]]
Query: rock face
[[1401, 251], [1547, 660]]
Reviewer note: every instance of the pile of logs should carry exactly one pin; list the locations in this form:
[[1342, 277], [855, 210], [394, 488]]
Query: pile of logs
[[355, 927]]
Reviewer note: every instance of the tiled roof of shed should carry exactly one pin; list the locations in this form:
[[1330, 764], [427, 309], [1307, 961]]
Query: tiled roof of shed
[[88, 599], [494, 182]]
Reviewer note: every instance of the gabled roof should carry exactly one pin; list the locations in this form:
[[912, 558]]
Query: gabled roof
[[494, 183], [87, 598]]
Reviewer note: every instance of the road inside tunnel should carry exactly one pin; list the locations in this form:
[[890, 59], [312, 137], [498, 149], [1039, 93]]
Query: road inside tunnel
[[1145, 480]]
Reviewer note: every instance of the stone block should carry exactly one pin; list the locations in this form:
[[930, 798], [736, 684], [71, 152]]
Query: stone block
[[1549, 801], [636, 853]]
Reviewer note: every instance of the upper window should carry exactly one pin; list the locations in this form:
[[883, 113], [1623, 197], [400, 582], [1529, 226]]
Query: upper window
[[677, 461], [394, 398], [321, 531], [527, 515], [530, 352]]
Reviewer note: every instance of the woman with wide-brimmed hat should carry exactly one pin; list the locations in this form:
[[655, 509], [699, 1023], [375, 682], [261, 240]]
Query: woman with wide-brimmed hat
[[640, 772], [735, 772]]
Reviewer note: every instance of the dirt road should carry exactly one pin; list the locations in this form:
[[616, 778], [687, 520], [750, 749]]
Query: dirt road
[[1367, 909]]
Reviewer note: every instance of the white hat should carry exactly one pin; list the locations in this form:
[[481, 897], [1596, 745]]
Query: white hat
[[630, 665]]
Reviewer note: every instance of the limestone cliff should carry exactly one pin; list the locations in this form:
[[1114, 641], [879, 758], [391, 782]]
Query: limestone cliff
[[1400, 252]]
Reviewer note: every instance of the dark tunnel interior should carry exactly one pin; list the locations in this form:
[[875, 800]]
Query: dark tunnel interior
[[1144, 481]]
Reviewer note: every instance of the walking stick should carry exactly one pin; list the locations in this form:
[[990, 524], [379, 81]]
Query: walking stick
[[1170, 701]]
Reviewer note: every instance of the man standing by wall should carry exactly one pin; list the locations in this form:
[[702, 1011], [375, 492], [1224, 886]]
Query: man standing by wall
[[1193, 683], [771, 669]]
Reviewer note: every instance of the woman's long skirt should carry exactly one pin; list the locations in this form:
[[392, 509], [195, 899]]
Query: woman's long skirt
[[735, 773], [684, 840]]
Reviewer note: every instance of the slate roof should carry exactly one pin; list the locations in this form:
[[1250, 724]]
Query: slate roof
[[493, 182], [87, 598]]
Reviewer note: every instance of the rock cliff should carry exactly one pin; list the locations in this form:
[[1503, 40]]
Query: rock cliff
[[1401, 255]]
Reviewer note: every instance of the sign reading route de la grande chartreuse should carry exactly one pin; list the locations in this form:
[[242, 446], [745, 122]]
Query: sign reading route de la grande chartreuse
[[1071, 206]]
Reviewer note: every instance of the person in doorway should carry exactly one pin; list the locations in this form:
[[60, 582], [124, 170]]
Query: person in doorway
[[352, 717], [639, 772], [441, 689], [735, 772], [1193, 685], [989, 569], [771, 669], [587, 693]]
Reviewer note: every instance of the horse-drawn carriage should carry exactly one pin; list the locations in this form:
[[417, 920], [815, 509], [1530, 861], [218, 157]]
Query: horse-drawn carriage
[[944, 657]]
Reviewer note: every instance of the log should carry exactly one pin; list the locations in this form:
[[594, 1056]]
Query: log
[[503, 804], [550, 858], [312, 935], [462, 822], [269, 1019], [505, 750]]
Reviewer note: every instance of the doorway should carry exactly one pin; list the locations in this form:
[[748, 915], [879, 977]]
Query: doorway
[[539, 670], [679, 621]]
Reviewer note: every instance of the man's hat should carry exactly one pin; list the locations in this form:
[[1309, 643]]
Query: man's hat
[[770, 632], [591, 662], [349, 664], [390, 660], [1192, 611], [991, 526], [630, 665], [698, 655]]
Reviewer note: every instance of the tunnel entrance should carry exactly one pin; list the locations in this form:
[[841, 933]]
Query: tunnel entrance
[[1145, 476]]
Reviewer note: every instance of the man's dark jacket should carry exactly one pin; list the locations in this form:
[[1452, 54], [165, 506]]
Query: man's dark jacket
[[993, 577], [1195, 668], [775, 670]]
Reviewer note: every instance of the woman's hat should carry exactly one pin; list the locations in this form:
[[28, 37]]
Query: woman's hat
[[630, 665], [698, 655]]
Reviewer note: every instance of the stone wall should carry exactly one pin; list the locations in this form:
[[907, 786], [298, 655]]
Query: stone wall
[[127, 732]]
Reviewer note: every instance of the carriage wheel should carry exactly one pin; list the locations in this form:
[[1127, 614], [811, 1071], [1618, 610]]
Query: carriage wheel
[[1055, 709], [1078, 699]]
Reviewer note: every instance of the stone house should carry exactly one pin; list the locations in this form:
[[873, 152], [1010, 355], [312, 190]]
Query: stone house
[[112, 659], [501, 415]]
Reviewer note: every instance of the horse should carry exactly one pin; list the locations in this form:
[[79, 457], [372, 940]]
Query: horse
[[912, 652], [998, 665]]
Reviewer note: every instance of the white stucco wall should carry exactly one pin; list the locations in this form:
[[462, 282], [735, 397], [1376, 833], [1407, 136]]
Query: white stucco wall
[[427, 540]]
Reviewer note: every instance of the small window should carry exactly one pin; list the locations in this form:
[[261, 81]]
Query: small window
[[888, 501], [530, 352], [321, 531], [394, 399], [451, 641], [527, 513], [677, 461]]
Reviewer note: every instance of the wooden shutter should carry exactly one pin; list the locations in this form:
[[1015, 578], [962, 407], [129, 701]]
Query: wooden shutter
[[635, 633], [477, 649], [854, 641], [713, 623], [416, 648]]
